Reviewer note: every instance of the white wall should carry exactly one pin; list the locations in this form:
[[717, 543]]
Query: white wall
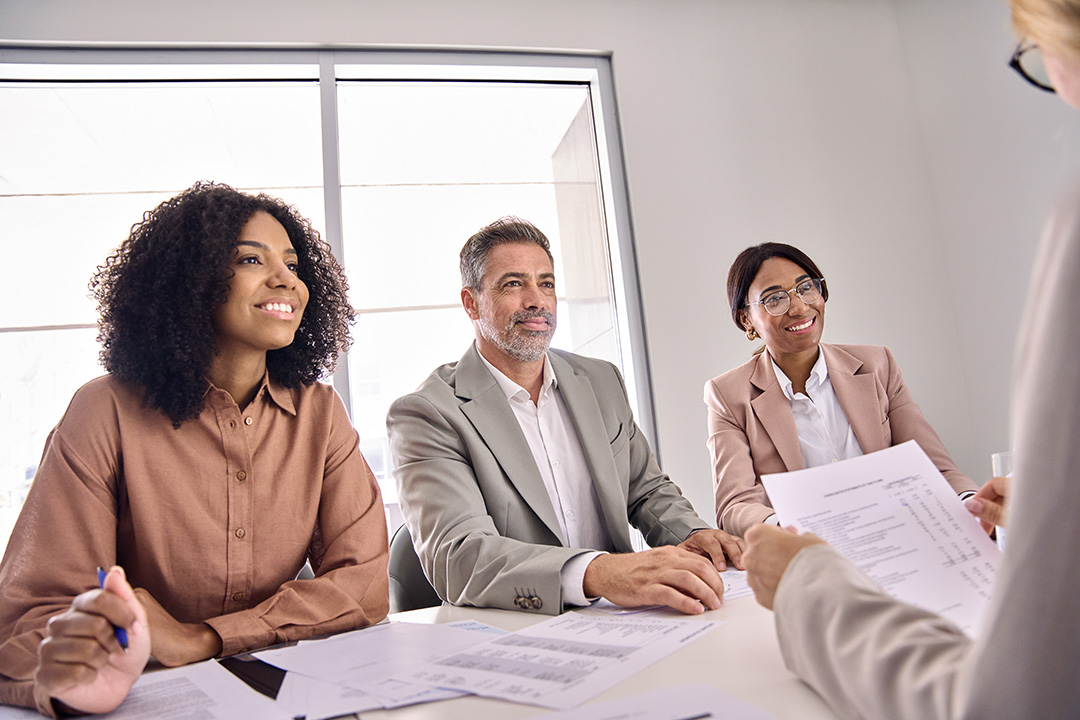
[[998, 152], [887, 139]]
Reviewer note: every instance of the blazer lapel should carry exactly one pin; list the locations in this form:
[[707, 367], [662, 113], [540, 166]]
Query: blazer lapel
[[857, 396], [577, 392], [773, 411], [489, 412]]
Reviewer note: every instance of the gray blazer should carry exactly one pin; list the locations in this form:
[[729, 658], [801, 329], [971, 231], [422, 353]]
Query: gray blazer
[[472, 496]]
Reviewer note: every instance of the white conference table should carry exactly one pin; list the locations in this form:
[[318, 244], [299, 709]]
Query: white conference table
[[741, 657]]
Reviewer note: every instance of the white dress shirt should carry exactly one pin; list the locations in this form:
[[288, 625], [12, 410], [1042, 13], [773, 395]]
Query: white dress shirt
[[556, 449], [825, 435]]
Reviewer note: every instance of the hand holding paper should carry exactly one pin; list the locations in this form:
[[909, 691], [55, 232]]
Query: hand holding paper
[[894, 515]]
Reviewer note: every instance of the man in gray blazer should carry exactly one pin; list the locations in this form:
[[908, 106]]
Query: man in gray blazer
[[520, 469]]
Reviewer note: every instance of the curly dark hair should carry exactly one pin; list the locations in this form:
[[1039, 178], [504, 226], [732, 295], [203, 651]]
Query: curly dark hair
[[158, 291]]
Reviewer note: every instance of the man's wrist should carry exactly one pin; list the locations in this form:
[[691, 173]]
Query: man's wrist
[[572, 579]]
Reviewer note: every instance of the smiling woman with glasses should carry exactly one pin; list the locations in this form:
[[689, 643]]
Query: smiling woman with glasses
[[799, 402]]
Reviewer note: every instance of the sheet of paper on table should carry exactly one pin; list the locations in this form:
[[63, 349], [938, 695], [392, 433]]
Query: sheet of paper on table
[[342, 674], [202, 690], [895, 516], [352, 672], [681, 702], [735, 584], [564, 661]]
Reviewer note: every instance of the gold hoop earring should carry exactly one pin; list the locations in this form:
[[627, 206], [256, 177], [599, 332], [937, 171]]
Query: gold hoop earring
[[751, 334]]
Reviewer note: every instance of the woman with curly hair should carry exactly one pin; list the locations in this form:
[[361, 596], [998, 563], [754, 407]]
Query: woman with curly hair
[[208, 466]]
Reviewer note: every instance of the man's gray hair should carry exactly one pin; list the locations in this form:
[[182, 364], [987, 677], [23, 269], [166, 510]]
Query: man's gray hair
[[507, 229]]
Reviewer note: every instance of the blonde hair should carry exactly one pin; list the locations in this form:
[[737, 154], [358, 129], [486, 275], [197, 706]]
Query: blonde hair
[[1052, 24]]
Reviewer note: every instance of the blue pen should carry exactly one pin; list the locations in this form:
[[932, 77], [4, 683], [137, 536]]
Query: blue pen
[[121, 633]]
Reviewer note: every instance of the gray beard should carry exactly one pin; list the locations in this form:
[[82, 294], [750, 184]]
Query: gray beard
[[521, 345]]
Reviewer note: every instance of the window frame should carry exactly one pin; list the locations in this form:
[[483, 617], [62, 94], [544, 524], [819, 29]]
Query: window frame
[[328, 64]]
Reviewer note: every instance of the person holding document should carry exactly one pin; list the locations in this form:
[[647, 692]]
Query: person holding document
[[208, 464], [799, 402], [872, 656]]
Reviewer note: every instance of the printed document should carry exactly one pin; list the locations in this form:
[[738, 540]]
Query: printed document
[[895, 516], [691, 701], [351, 672], [564, 661], [203, 690]]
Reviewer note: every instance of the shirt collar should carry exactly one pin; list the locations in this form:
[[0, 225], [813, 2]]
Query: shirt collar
[[278, 393], [511, 388], [281, 395], [818, 374]]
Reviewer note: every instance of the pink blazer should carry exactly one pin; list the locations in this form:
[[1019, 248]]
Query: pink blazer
[[752, 431]]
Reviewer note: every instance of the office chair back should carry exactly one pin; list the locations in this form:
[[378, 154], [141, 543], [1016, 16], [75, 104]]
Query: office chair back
[[409, 587]]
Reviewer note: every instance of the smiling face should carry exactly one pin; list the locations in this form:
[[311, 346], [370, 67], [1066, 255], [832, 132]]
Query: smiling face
[[513, 311], [798, 331], [266, 297]]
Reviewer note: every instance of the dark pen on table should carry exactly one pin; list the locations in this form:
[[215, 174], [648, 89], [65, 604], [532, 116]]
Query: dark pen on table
[[121, 633]]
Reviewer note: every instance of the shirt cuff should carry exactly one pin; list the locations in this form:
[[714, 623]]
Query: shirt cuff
[[240, 631], [572, 579]]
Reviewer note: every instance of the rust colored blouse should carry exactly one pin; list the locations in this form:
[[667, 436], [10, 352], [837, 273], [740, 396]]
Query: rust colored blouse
[[214, 518]]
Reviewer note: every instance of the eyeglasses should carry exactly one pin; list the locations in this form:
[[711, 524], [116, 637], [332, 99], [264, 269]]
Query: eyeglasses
[[777, 303], [1028, 61]]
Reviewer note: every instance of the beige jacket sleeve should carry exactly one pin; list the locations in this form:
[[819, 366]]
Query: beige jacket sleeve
[[871, 656]]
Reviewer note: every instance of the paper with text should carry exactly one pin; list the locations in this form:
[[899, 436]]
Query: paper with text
[[895, 516], [204, 690], [562, 662], [691, 701], [361, 664]]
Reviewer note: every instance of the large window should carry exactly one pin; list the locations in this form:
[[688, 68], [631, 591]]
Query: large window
[[396, 158]]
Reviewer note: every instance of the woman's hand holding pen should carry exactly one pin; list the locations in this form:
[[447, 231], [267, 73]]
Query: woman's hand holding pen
[[177, 643], [80, 662]]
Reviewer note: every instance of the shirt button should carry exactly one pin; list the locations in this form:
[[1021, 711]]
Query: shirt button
[[836, 459], [248, 421], [237, 597], [241, 476], [555, 463], [239, 532]]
